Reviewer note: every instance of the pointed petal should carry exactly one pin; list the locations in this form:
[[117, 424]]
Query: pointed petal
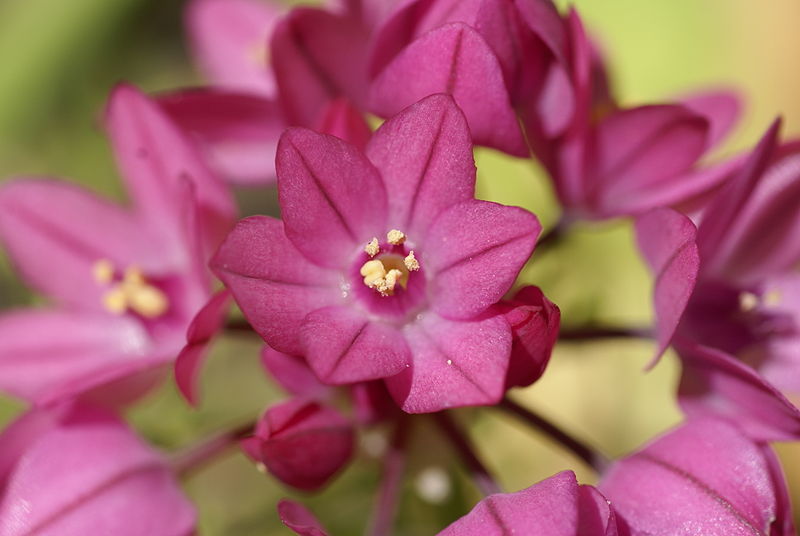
[[556, 506], [274, 285], [424, 155], [89, 474], [155, 157], [722, 109], [641, 153], [298, 518], [454, 364], [342, 120], [475, 251], [543, 18], [292, 373], [332, 199], [764, 237], [453, 59], [204, 327], [667, 241], [238, 132], [705, 475], [229, 40], [50, 229], [343, 346], [715, 383], [318, 56], [726, 207]]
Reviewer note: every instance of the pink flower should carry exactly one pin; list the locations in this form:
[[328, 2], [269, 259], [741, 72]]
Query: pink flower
[[384, 265], [302, 443], [124, 282], [704, 477], [77, 471]]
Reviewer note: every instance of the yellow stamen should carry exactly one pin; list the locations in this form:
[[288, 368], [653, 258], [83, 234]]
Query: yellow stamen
[[103, 271], [772, 298], [395, 237], [747, 301], [411, 262], [373, 271], [115, 300], [133, 293], [148, 301], [372, 248]]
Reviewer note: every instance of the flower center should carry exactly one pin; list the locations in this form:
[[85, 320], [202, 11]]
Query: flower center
[[131, 292], [384, 273]]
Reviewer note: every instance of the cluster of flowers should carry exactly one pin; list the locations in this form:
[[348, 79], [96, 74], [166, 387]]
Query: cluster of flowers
[[384, 281]]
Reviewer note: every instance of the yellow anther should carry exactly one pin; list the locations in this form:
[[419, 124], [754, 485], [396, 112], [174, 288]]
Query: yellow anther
[[103, 271], [134, 276], [773, 298], [115, 300], [395, 237], [747, 301], [372, 248], [411, 262], [373, 271], [148, 301]]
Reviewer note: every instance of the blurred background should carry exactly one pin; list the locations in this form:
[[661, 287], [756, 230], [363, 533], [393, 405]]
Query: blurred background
[[58, 61]]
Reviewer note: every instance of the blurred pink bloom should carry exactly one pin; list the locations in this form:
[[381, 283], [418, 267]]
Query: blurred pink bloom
[[78, 471], [704, 477], [557, 506], [385, 266], [302, 443], [124, 282], [298, 518]]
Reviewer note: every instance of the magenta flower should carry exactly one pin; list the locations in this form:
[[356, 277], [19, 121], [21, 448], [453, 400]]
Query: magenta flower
[[77, 471], [704, 477], [384, 265], [557, 506], [124, 282], [302, 443]]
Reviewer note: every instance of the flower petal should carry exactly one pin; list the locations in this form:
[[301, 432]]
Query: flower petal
[[332, 199], [667, 241], [715, 383], [274, 285], [155, 157], [474, 252], [298, 518], [722, 109], [76, 346], [318, 56], [204, 327], [344, 346], [238, 132], [705, 476], [89, 474], [292, 373], [229, 40], [641, 154], [556, 506], [50, 229], [453, 59], [342, 120], [454, 364], [424, 155]]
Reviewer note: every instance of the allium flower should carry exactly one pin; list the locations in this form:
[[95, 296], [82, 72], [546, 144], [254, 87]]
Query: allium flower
[[125, 282], [704, 477], [76, 471], [302, 443], [384, 265]]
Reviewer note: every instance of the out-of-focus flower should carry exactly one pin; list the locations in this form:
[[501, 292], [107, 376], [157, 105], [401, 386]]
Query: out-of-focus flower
[[534, 322], [302, 443], [73, 471], [299, 519], [557, 506], [270, 70], [385, 266], [704, 477], [125, 282]]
